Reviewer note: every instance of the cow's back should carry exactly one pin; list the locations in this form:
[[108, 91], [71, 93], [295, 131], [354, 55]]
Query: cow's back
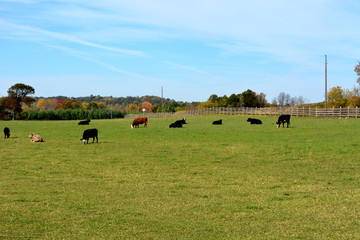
[[88, 133]]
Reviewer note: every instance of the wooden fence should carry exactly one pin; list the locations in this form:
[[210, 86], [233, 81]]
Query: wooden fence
[[300, 112]]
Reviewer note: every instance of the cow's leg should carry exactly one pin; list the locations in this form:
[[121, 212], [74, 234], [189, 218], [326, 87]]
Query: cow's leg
[[96, 138]]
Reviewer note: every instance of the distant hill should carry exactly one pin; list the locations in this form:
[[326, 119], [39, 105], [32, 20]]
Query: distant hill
[[122, 101]]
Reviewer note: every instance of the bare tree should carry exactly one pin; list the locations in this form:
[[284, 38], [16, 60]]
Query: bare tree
[[357, 70], [274, 102], [281, 99], [287, 100]]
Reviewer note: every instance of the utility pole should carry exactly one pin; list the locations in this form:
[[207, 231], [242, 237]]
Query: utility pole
[[325, 82], [162, 100], [111, 105]]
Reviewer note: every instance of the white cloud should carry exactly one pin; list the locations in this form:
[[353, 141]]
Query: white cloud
[[37, 33]]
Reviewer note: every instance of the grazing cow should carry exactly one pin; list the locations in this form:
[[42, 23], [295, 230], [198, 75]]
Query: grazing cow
[[90, 133], [86, 122], [139, 121], [282, 120], [176, 124], [6, 132], [217, 122], [254, 121], [36, 138]]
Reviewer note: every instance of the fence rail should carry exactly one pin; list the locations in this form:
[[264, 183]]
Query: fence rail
[[300, 112]]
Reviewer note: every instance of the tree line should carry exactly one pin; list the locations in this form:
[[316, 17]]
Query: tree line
[[20, 105]]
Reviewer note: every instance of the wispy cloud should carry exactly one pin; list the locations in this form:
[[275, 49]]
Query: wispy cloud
[[89, 58], [189, 68], [32, 32]]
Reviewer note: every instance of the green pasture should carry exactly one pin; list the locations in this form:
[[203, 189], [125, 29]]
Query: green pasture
[[235, 181]]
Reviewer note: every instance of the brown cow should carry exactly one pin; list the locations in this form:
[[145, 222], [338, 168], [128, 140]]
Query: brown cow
[[139, 121], [35, 138]]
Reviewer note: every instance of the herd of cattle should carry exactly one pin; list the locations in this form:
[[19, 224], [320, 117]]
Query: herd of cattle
[[93, 133]]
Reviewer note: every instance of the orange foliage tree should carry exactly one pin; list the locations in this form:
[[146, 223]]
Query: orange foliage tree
[[147, 106]]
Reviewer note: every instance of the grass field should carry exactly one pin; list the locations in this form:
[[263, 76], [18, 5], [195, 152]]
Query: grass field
[[234, 181]]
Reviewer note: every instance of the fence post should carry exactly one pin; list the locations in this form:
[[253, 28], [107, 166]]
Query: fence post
[[356, 112], [340, 112]]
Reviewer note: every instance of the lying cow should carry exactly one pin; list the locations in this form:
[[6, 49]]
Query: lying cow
[[86, 122], [6, 132], [90, 133], [182, 121], [217, 122], [176, 124], [36, 138], [282, 120], [139, 121], [254, 121]]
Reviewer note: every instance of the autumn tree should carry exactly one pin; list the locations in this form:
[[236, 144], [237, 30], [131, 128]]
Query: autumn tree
[[18, 95], [46, 104], [337, 97], [102, 105], [354, 101], [92, 105], [40, 105], [261, 100], [147, 106], [133, 108], [3, 111], [70, 104], [207, 104]]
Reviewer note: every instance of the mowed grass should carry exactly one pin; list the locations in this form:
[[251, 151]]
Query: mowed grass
[[235, 181]]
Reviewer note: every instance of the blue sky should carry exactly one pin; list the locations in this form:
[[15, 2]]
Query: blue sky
[[192, 48]]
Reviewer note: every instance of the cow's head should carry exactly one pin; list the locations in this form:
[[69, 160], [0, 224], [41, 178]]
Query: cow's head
[[132, 126], [83, 140], [31, 135]]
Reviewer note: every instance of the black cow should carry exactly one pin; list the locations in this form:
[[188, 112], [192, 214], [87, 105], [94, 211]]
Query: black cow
[[217, 122], [182, 121], [176, 124], [282, 120], [254, 121], [84, 122], [90, 133], [6, 132]]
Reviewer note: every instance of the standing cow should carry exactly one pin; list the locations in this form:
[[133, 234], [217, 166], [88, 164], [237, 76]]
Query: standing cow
[[282, 120], [6, 132], [138, 121], [90, 133]]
